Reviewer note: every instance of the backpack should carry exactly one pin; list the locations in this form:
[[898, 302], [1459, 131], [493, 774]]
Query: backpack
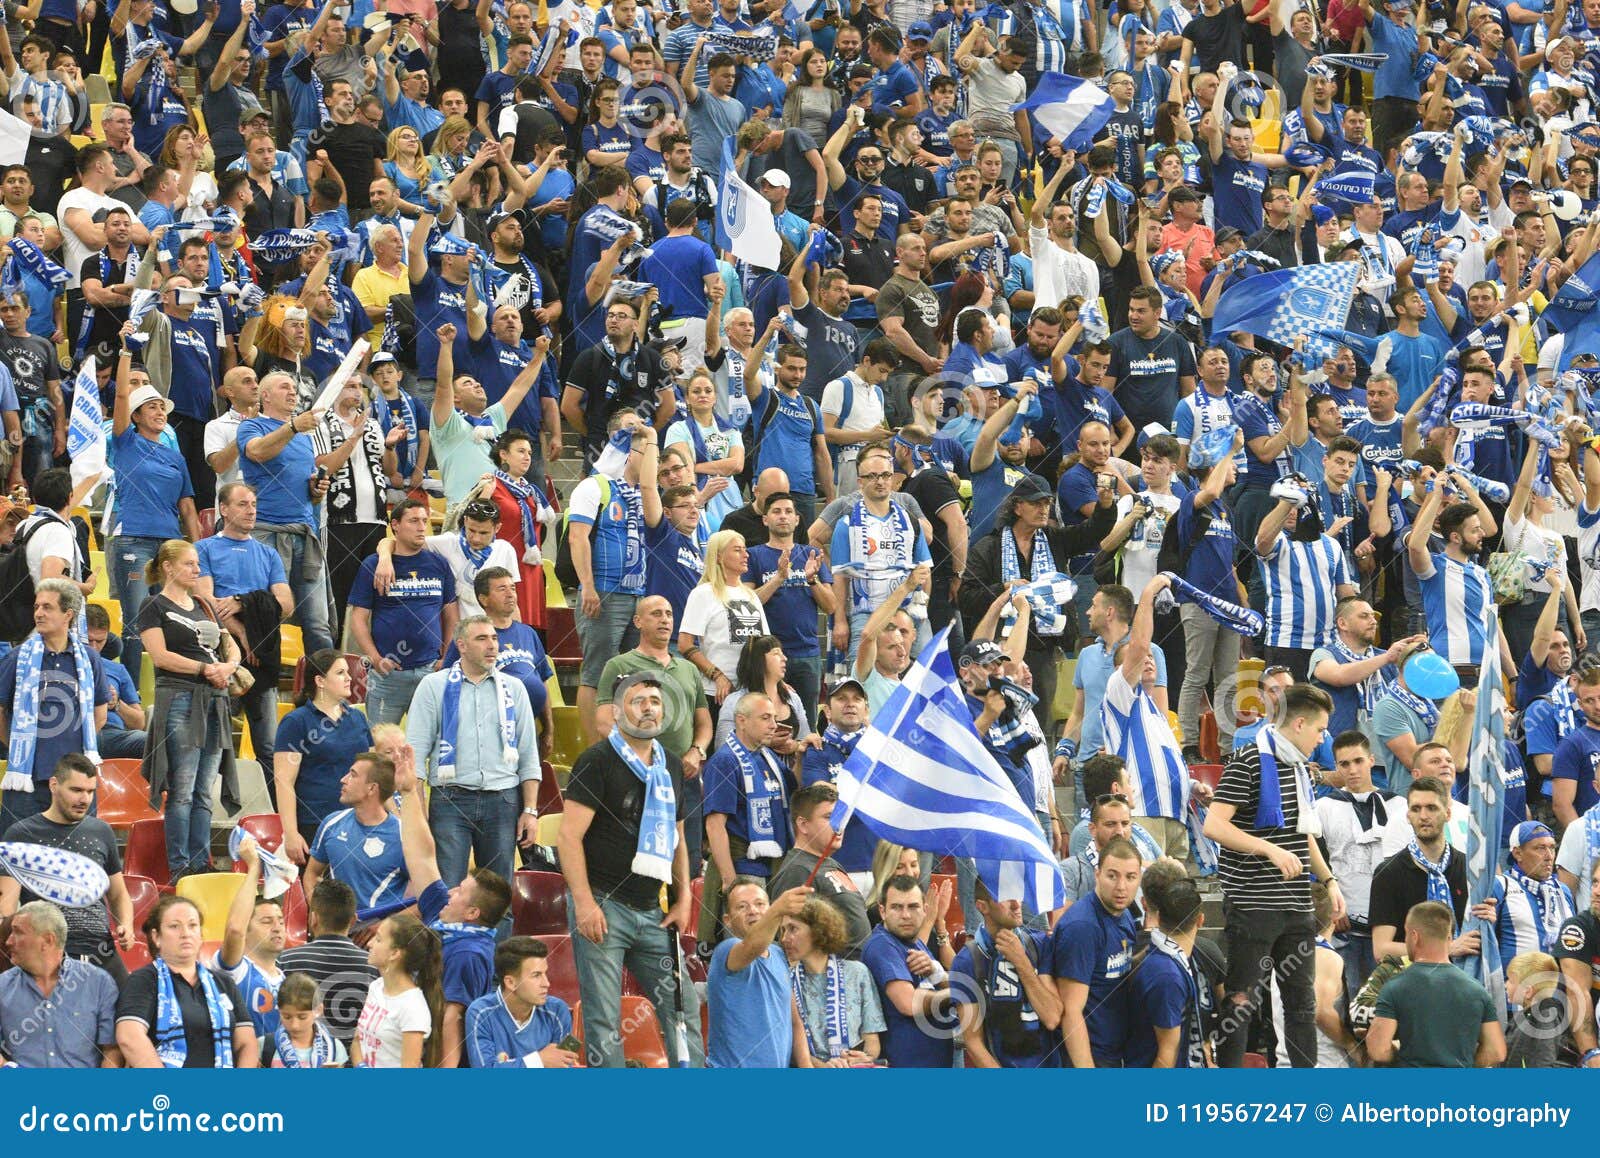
[[759, 423], [1174, 556], [16, 587], [566, 573]]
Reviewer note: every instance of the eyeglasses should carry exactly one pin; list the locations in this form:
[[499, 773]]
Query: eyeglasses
[[876, 476], [1111, 798], [869, 160], [1275, 669]]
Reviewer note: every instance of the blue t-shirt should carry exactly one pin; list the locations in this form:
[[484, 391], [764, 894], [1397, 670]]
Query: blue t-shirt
[[860, 842], [990, 486], [239, 565], [57, 734], [1095, 948], [406, 623], [1393, 77], [282, 483], [1011, 1028], [676, 565], [1414, 362], [326, 749], [725, 793], [678, 266], [1576, 758], [905, 1044], [468, 972], [752, 1020], [1237, 187], [788, 437], [152, 479], [1164, 993], [368, 858], [1148, 372], [791, 612], [498, 91], [1211, 559], [496, 365], [892, 87], [127, 692], [1258, 419], [436, 302]]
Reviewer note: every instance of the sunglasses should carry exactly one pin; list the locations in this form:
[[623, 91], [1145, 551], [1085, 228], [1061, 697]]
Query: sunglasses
[[1111, 798]]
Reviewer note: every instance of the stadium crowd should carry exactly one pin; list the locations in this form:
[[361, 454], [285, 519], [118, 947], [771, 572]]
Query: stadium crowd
[[413, 356]]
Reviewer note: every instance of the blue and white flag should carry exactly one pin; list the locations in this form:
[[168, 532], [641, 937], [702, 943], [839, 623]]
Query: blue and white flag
[[86, 432], [1576, 298], [1486, 768], [1352, 185], [31, 258], [745, 226], [921, 777], [1070, 110], [1288, 303], [277, 246]]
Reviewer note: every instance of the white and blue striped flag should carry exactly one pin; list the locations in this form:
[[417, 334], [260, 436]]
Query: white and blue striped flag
[[86, 433], [1069, 109], [1486, 841], [921, 777], [745, 226]]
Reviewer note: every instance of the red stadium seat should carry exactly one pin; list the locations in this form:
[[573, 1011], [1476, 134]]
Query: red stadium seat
[[296, 916], [136, 958], [207, 518], [267, 828], [1207, 773], [693, 964], [697, 888], [538, 903], [561, 634], [642, 1040], [146, 855], [954, 922], [124, 794], [144, 894], [358, 677], [563, 967], [1210, 743], [549, 790], [1255, 1061]]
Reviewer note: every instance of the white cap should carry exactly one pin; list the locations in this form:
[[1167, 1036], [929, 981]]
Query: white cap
[[145, 394], [776, 177]]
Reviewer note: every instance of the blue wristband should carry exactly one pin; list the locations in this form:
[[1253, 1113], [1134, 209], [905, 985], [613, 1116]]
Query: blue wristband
[[1066, 747]]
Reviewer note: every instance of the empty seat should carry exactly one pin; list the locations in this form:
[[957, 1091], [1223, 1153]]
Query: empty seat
[[266, 827], [563, 967], [123, 795], [1207, 773], [549, 830], [568, 743], [642, 1040], [538, 903], [549, 789], [213, 892], [146, 854], [296, 916]]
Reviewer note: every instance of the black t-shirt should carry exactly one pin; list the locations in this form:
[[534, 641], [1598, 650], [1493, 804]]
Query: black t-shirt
[[353, 148], [611, 386], [520, 292], [91, 837], [1399, 884], [934, 491], [1217, 38], [748, 523], [107, 319], [601, 781], [868, 261], [913, 182], [1579, 940], [51, 160], [460, 53], [833, 885], [32, 362], [189, 632], [139, 1000]]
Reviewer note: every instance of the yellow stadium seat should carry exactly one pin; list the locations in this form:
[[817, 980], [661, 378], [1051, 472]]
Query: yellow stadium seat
[[213, 892], [1177, 729], [294, 646], [554, 596], [1065, 692], [147, 680], [553, 686], [284, 708], [550, 829], [113, 611], [568, 741]]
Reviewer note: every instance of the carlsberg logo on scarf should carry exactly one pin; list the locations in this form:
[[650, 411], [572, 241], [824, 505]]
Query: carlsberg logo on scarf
[[658, 824], [450, 721], [172, 1045], [761, 786], [24, 744]]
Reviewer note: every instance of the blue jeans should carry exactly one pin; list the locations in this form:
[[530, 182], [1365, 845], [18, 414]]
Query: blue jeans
[[636, 939], [309, 592], [469, 823], [126, 557], [601, 637], [191, 772], [121, 744], [1356, 952], [805, 676], [260, 706], [389, 696]]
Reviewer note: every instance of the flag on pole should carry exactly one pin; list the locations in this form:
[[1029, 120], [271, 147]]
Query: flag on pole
[[1576, 298], [86, 433], [1070, 110], [921, 777], [1288, 303], [1486, 768], [744, 218]]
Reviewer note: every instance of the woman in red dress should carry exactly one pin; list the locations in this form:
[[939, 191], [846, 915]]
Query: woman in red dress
[[520, 500]]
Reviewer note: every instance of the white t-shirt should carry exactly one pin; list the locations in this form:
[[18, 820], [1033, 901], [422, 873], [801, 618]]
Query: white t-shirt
[[723, 628], [222, 433], [1535, 542], [74, 250], [866, 408], [1140, 552], [385, 1021], [501, 554], [53, 540]]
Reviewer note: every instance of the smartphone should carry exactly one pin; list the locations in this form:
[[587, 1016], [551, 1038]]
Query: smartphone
[[782, 732], [571, 1044]]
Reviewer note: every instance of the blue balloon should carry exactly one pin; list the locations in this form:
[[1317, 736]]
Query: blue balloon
[[1430, 676]]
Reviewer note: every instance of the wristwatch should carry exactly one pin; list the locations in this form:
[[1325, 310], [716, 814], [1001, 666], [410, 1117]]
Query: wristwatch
[[698, 748], [530, 812]]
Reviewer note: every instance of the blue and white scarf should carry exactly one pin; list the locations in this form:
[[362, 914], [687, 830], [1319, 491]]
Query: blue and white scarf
[[738, 396], [1048, 618], [1591, 841], [277, 246], [634, 558], [477, 558], [1269, 802], [1438, 886], [142, 45], [450, 721], [323, 1048], [658, 823], [25, 710], [876, 570], [1547, 900], [172, 1047], [1425, 708], [530, 501], [761, 46], [1368, 689], [1244, 620], [31, 258], [388, 412], [834, 1014], [761, 787]]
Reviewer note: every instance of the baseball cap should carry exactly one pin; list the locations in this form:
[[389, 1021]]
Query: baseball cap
[[1227, 233], [382, 357], [500, 215], [1529, 831], [919, 30], [1031, 488], [776, 177], [847, 682], [982, 651], [1184, 193]]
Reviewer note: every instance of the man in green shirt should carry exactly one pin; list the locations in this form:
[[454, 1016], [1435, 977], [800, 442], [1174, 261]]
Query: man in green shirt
[[1433, 1014], [687, 731]]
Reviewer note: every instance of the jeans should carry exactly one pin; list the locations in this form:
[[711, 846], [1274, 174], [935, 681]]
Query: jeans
[[805, 676], [636, 939], [127, 556], [121, 744], [1211, 655], [1285, 942], [191, 772], [17, 806], [1358, 961], [1010, 160], [601, 637], [1591, 628], [389, 696], [309, 592], [260, 707], [466, 822]]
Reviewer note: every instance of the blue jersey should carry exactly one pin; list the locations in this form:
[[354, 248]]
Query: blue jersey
[[1522, 924], [1577, 758], [1012, 1033], [494, 1039], [1380, 447], [1455, 597], [1094, 947], [1237, 187], [1259, 419], [468, 971], [1211, 557], [906, 1045], [260, 992], [1166, 995], [239, 565], [367, 858], [616, 541], [407, 621]]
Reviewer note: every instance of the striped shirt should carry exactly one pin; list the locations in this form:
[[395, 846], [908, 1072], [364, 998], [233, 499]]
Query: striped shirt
[[1302, 580], [55, 104], [339, 967], [1251, 882], [1518, 927], [1135, 729], [1454, 599], [680, 43]]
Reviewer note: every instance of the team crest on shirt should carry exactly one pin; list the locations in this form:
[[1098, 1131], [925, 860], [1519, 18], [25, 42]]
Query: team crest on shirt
[[1572, 938], [842, 881], [372, 846]]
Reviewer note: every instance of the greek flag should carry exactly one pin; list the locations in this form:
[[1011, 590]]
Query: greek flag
[[744, 219], [1287, 303], [86, 434], [922, 778], [1071, 110], [1486, 767]]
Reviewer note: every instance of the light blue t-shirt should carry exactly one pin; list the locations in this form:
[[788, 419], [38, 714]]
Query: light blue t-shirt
[[751, 1022], [367, 858]]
